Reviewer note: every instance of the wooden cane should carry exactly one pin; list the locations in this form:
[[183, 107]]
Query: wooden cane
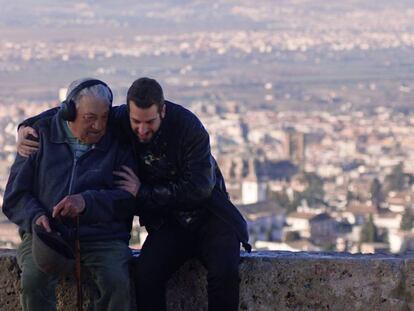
[[78, 266]]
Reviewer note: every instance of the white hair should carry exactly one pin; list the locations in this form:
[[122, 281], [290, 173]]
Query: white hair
[[99, 91]]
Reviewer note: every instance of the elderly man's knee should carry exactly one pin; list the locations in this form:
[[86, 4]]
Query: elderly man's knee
[[34, 280], [114, 280]]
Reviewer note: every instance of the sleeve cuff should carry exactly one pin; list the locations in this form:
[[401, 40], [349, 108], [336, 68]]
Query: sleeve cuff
[[87, 198]]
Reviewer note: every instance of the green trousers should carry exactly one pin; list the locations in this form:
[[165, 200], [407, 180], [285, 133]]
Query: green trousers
[[108, 262]]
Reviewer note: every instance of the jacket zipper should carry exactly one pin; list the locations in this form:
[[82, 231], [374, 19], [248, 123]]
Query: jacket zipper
[[74, 230], [75, 161], [72, 175]]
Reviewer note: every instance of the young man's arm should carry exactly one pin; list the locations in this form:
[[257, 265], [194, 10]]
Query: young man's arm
[[27, 136]]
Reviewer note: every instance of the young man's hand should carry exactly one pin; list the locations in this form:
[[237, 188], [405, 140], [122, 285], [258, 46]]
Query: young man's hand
[[69, 206], [129, 181], [26, 141]]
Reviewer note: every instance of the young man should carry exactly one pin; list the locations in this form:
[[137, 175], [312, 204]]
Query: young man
[[71, 175], [181, 199]]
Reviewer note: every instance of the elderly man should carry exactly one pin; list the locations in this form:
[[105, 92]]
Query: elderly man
[[71, 175], [181, 200]]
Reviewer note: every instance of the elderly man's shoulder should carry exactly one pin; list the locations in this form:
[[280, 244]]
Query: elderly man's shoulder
[[43, 124]]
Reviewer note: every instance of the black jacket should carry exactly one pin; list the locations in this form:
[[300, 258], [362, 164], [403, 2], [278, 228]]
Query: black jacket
[[178, 172], [38, 183]]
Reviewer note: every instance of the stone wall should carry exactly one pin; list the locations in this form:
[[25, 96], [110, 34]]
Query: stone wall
[[269, 281]]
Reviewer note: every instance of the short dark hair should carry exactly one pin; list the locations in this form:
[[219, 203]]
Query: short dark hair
[[145, 92]]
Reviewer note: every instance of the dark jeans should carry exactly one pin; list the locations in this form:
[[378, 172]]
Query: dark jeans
[[213, 242]]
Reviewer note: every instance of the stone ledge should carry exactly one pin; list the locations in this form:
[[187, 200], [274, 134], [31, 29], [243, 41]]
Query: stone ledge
[[269, 281]]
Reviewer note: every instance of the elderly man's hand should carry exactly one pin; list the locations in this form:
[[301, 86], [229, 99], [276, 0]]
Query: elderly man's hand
[[26, 144], [129, 181], [69, 206], [43, 221]]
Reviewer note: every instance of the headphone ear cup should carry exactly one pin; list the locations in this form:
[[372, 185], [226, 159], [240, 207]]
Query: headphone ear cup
[[68, 107], [68, 110]]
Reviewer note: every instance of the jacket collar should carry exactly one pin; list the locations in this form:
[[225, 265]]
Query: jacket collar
[[58, 135]]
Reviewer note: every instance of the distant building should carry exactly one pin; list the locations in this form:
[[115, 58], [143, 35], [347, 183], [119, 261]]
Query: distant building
[[387, 220], [371, 248], [361, 188], [323, 229], [398, 201], [300, 221], [292, 246], [357, 213], [265, 220], [295, 146], [401, 241], [253, 191], [254, 186]]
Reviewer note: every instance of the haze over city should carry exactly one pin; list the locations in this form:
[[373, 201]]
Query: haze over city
[[309, 104]]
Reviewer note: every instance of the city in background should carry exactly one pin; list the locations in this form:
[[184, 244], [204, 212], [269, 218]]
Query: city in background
[[309, 104]]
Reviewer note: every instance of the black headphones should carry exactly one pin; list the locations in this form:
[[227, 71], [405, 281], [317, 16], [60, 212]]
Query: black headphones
[[68, 107]]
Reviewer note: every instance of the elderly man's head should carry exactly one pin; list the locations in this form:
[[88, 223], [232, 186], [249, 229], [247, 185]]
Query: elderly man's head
[[92, 111]]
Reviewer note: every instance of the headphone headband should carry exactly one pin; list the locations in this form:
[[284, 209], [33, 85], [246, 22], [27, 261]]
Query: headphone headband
[[68, 109], [86, 84]]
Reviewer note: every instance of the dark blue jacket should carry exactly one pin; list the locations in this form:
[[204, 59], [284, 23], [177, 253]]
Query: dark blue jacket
[[38, 183]]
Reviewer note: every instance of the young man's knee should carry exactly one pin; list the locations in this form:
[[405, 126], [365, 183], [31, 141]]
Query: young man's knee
[[150, 278], [151, 271], [225, 273]]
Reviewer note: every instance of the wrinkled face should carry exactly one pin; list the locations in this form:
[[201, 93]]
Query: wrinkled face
[[145, 122], [91, 120]]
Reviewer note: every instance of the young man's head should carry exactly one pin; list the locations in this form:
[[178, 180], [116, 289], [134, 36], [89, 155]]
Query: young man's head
[[145, 100], [92, 111]]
